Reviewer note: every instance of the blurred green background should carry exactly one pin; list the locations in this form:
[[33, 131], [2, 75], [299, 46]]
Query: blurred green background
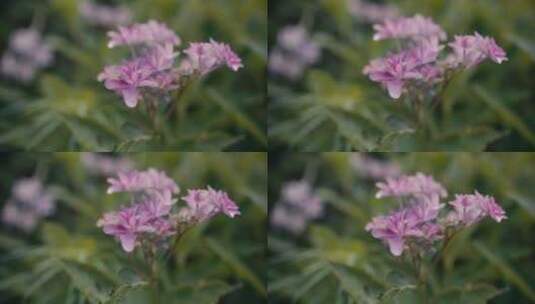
[[335, 107], [336, 261], [65, 108], [67, 259]]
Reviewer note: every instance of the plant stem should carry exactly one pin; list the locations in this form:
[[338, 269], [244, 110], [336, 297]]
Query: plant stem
[[148, 254]]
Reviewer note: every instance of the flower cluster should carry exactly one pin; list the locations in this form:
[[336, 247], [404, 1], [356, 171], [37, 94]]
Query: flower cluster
[[152, 71], [370, 11], [27, 53], [420, 62], [295, 51], [30, 201], [298, 205], [150, 219], [373, 168], [419, 223], [104, 15]]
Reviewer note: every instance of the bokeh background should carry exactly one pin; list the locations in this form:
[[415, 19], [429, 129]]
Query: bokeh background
[[64, 108], [334, 260], [333, 106], [67, 259]]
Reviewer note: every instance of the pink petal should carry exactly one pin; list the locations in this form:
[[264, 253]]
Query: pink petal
[[396, 246], [128, 241]]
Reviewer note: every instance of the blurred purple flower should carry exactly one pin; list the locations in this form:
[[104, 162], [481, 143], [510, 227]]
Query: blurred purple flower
[[105, 165], [411, 185], [295, 51], [30, 201], [417, 28], [298, 205], [150, 181], [372, 12], [374, 168], [27, 53], [150, 33], [104, 15]]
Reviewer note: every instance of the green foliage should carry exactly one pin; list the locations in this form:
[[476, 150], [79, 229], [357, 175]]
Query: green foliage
[[334, 107], [336, 261], [67, 259], [66, 109]]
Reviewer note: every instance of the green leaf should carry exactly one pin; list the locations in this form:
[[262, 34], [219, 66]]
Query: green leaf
[[506, 115], [524, 44], [509, 274], [84, 283], [240, 118], [203, 293], [120, 294], [400, 294], [469, 294], [352, 284], [238, 266]]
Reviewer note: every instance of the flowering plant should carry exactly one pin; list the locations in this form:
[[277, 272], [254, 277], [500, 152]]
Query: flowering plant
[[387, 237], [149, 222], [151, 74], [417, 69], [393, 78], [157, 88]]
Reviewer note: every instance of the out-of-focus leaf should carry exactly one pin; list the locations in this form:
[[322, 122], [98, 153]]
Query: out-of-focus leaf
[[238, 266], [469, 294], [507, 115], [120, 295], [204, 293], [506, 270], [84, 283], [238, 116], [352, 285], [524, 44]]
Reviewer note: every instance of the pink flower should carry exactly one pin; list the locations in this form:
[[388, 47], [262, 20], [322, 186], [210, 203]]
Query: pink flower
[[471, 50], [394, 229], [396, 70], [206, 203], [411, 185], [129, 224], [371, 12], [416, 221], [299, 196], [417, 28], [153, 69], [127, 79], [204, 57], [155, 183], [471, 208], [150, 33]]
